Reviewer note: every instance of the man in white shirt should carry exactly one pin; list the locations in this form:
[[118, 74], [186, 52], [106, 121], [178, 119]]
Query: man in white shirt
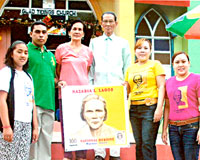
[[112, 56]]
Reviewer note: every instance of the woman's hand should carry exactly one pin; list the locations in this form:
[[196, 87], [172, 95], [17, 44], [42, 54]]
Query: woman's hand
[[126, 84], [8, 134], [35, 135], [198, 136], [157, 115], [61, 84], [164, 137]]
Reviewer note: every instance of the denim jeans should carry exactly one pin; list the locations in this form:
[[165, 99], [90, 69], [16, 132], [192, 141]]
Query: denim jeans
[[144, 130], [183, 141]]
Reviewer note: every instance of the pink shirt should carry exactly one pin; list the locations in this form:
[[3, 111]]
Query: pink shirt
[[183, 97], [74, 65]]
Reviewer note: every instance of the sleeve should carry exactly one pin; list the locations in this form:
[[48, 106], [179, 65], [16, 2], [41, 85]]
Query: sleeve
[[159, 70], [33, 92], [92, 67], [166, 96], [126, 55], [91, 45], [54, 63], [198, 85], [90, 57], [167, 85], [58, 55], [126, 75], [5, 75]]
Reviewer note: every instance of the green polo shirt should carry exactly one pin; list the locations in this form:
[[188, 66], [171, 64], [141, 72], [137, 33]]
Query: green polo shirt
[[42, 67]]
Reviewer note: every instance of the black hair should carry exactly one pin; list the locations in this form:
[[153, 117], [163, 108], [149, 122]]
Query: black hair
[[180, 52], [109, 12], [9, 60], [77, 21], [37, 23]]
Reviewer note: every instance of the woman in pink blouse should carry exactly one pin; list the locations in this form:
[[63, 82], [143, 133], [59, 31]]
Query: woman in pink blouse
[[73, 64], [182, 110]]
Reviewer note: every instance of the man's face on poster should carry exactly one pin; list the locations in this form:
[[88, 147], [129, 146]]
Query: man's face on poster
[[94, 113], [177, 96], [137, 79]]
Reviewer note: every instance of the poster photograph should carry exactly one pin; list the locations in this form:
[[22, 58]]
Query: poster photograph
[[95, 117]]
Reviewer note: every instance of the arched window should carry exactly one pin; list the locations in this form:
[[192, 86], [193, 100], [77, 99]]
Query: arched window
[[151, 25]]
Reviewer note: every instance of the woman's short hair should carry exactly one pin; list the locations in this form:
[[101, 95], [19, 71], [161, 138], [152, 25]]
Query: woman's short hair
[[9, 60], [178, 53], [89, 98], [77, 21], [140, 41]]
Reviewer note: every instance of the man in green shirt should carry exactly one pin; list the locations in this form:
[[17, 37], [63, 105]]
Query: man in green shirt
[[42, 66]]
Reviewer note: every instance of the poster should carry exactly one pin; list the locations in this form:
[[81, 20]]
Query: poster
[[95, 117]]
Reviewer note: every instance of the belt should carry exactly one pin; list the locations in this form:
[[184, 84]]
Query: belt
[[184, 122], [147, 101]]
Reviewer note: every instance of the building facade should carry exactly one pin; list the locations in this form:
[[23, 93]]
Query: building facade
[[137, 19], [16, 17]]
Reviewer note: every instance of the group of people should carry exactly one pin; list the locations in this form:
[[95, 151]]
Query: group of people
[[27, 98], [145, 81], [27, 93]]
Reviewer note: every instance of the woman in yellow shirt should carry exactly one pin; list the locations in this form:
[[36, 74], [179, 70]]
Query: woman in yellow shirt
[[145, 81]]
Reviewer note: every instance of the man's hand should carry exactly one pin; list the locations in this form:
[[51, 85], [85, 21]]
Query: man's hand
[[35, 135]]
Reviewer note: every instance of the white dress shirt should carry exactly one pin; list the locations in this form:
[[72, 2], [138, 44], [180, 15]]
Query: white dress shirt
[[112, 56]]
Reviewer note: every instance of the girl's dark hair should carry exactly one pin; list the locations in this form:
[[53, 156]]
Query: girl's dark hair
[[9, 60], [77, 21], [177, 53]]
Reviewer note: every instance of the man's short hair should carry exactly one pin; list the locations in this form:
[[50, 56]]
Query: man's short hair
[[109, 12], [37, 23], [92, 97]]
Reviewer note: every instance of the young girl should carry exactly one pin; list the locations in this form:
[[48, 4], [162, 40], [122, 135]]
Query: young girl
[[17, 113]]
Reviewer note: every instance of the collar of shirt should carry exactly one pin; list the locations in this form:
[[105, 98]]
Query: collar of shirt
[[109, 38], [30, 44]]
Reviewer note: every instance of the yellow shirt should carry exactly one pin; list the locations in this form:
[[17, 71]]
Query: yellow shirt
[[142, 79]]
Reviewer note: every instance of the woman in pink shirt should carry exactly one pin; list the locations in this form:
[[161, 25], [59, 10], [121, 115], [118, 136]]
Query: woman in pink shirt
[[182, 110], [73, 64]]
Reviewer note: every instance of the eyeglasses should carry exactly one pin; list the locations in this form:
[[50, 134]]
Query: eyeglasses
[[108, 21]]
